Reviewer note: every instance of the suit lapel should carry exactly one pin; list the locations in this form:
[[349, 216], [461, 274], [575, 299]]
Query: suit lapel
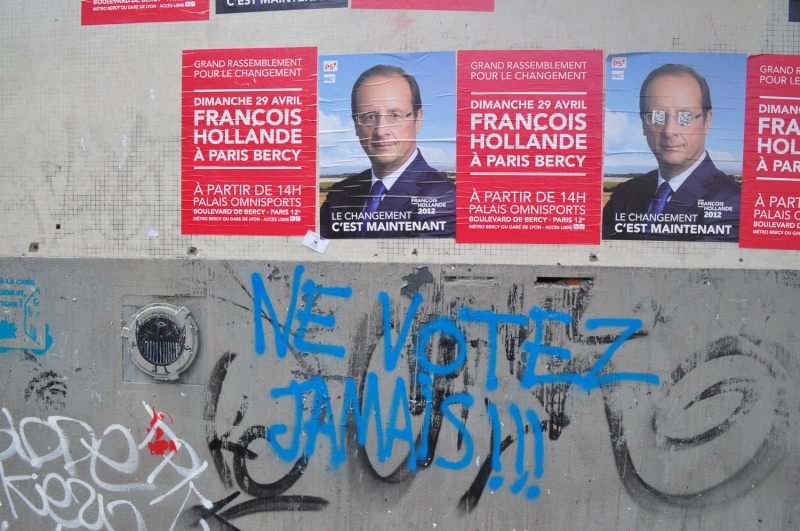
[[358, 192], [398, 198], [693, 188]]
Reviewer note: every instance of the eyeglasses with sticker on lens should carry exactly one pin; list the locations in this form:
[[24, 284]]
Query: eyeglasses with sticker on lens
[[371, 119], [658, 118]]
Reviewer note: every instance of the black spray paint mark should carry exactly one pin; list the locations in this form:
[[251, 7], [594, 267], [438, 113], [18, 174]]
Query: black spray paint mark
[[469, 500], [416, 280], [749, 389], [219, 521], [267, 497], [215, 443], [50, 391]]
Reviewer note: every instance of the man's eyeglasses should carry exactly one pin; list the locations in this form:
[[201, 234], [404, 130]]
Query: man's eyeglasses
[[659, 118], [371, 119]]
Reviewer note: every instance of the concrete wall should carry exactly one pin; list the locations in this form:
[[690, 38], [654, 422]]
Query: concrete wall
[[627, 385], [493, 397]]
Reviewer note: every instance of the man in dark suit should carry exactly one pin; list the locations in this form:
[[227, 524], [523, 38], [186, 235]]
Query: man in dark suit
[[687, 198], [400, 196]]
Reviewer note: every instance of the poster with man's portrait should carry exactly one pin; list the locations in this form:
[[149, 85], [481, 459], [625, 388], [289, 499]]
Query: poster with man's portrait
[[673, 146], [387, 145]]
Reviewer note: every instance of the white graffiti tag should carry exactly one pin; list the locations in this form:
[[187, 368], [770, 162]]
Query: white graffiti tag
[[75, 477]]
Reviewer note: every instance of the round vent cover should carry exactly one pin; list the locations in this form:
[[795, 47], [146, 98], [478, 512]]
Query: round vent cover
[[161, 340]]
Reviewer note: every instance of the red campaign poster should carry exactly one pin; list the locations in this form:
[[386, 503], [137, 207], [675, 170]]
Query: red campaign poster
[[440, 5], [771, 172], [248, 151], [95, 12], [529, 146]]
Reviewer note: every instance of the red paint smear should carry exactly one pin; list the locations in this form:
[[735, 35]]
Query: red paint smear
[[159, 446]]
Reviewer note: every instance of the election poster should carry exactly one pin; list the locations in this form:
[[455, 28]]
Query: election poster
[[674, 129], [249, 6], [771, 187], [529, 146], [440, 5], [95, 12], [387, 146], [248, 145]]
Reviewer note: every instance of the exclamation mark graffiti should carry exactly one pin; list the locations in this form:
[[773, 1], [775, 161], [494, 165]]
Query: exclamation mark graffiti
[[492, 463]]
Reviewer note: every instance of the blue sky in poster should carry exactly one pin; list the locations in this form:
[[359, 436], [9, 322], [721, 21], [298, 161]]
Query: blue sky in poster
[[626, 150], [435, 72]]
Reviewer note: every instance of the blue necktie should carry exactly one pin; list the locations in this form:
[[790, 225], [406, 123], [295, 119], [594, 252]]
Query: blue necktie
[[658, 203], [372, 203]]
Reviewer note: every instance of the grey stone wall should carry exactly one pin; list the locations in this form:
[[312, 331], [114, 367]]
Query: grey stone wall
[[399, 396]]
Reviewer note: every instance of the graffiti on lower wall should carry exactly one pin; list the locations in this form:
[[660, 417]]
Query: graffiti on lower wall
[[734, 395], [56, 452], [390, 392], [22, 324], [422, 389]]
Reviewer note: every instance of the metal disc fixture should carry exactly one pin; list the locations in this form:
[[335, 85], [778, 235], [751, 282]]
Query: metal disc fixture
[[162, 340]]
